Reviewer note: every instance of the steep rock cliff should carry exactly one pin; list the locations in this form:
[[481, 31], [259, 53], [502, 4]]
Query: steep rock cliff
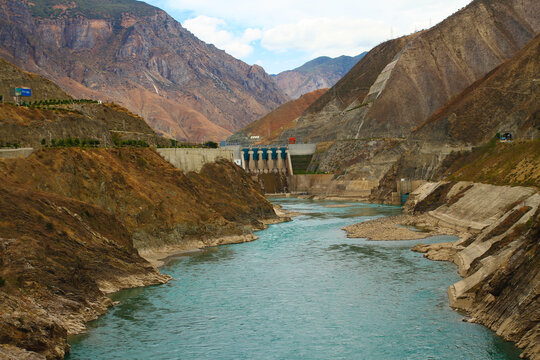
[[138, 56]]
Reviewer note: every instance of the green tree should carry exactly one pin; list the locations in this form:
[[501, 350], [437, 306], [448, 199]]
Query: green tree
[[211, 145]]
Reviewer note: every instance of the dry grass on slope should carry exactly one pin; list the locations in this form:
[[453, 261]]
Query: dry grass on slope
[[157, 202], [498, 163]]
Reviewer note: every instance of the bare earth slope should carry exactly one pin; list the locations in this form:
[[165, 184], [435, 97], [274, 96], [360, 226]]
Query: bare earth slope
[[140, 57], [42, 89], [507, 99], [157, 202], [270, 126], [50, 118], [59, 256], [320, 73], [72, 221], [426, 72]]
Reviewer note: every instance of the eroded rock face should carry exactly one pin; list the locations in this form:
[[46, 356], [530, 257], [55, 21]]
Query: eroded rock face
[[499, 259], [416, 75], [141, 58], [54, 254]]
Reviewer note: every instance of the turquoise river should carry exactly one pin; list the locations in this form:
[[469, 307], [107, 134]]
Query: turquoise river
[[303, 290]]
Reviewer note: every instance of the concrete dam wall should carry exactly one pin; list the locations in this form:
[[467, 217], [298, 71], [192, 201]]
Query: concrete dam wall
[[187, 159]]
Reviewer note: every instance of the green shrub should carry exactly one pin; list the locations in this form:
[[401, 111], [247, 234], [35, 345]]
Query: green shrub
[[2, 281], [211, 145]]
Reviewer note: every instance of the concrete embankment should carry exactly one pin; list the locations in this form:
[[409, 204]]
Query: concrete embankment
[[498, 252], [325, 186], [15, 153], [187, 159]]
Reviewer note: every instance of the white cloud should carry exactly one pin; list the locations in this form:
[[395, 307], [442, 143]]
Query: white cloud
[[283, 32], [324, 36], [211, 30], [399, 14]]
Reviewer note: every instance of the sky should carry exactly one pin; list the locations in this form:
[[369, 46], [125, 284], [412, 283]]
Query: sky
[[281, 35]]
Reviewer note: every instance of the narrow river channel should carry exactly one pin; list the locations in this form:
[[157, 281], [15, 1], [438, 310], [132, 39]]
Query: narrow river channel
[[302, 291]]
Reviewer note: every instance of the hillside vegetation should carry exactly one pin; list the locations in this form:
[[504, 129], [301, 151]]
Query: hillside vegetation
[[498, 163], [92, 9]]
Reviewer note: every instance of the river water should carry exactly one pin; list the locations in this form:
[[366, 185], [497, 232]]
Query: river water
[[302, 291]]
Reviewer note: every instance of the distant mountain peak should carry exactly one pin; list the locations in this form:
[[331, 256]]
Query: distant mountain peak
[[319, 73]]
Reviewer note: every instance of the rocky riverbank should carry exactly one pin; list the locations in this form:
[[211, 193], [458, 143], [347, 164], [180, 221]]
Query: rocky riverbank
[[75, 222], [498, 253]]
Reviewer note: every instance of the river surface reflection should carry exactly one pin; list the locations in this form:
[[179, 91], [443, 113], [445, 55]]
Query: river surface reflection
[[302, 291]]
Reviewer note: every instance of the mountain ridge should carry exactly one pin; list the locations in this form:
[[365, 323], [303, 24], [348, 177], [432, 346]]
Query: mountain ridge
[[319, 73], [428, 69], [149, 63]]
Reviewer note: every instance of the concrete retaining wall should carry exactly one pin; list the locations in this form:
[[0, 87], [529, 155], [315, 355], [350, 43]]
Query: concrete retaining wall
[[323, 185], [302, 149], [194, 159], [311, 183], [15, 153]]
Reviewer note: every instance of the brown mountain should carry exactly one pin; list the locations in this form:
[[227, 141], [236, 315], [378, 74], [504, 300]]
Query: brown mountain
[[418, 74], [138, 56], [270, 126], [320, 73], [504, 100], [507, 99]]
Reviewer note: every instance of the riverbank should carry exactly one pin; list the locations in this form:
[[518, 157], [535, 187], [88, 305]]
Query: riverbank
[[223, 298], [497, 254], [159, 256], [71, 233]]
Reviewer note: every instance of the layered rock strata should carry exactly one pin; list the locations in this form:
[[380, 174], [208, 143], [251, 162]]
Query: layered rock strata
[[497, 254]]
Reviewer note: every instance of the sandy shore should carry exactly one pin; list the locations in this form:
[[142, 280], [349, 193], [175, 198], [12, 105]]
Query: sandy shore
[[411, 227], [401, 227]]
